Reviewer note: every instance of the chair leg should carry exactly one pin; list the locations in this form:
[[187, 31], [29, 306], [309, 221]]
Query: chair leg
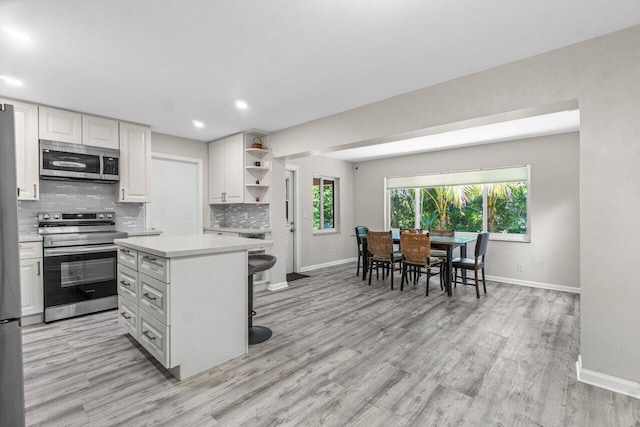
[[391, 269], [484, 284], [371, 269], [404, 276], [475, 275], [358, 268], [428, 279]]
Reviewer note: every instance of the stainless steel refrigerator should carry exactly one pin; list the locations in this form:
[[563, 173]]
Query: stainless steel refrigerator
[[11, 374]]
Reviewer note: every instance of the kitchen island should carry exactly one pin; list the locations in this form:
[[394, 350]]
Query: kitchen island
[[184, 298]]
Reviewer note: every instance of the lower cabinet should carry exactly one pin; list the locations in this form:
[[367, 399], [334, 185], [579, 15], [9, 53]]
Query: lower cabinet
[[31, 284], [192, 314]]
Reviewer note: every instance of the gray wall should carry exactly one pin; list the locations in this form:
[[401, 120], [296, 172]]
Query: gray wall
[[551, 256], [322, 248], [602, 74]]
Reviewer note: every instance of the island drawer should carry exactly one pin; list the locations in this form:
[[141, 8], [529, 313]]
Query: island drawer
[[154, 266], [128, 285], [128, 316], [128, 257], [154, 336], [28, 250], [153, 297]]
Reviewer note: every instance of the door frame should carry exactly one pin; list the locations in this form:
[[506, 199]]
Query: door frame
[[296, 212], [200, 185]]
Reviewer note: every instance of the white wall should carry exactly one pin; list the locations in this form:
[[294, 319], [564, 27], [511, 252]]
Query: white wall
[[552, 256], [174, 145], [602, 74], [322, 248]]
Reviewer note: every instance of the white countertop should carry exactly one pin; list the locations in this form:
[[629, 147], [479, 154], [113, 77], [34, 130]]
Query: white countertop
[[191, 245], [240, 230], [24, 238]]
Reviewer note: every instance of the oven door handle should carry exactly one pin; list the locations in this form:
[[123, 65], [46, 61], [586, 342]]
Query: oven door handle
[[79, 250]]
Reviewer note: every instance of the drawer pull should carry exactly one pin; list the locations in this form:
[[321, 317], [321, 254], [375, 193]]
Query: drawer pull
[[148, 335], [125, 315], [148, 296], [123, 283], [125, 251], [150, 258]]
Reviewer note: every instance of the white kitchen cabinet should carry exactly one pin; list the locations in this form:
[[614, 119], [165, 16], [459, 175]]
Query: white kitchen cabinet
[[60, 125], [100, 132], [27, 151], [31, 284], [226, 170], [135, 163]]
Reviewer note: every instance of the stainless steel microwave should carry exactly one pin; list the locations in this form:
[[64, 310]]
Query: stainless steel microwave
[[61, 160]]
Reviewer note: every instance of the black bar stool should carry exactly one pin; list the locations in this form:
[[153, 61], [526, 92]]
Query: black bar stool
[[258, 263]]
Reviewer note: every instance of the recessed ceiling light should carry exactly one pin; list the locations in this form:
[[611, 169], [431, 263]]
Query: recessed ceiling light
[[11, 81], [16, 34], [198, 123], [241, 105]]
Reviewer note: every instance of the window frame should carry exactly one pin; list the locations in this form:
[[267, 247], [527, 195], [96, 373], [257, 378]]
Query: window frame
[[507, 237], [336, 203]]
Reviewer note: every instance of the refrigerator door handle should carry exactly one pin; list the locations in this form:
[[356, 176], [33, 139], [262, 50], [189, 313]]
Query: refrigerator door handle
[[38, 268]]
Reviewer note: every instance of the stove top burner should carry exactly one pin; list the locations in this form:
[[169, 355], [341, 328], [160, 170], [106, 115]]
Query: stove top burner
[[78, 228]]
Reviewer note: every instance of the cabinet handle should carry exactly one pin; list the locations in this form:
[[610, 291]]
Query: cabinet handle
[[150, 258], [127, 284], [35, 190], [125, 251], [38, 267], [18, 191], [148, 335], [123, 314], [149, 297], [123, 194]]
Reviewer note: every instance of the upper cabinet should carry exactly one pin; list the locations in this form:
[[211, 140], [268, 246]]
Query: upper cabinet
[[226, 170], [257, 167], [100, 132], [60, 125], [26, 132], [135, 163]]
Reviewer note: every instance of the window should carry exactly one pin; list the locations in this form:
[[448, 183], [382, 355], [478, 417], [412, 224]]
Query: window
[[494, 200], [324, 203]]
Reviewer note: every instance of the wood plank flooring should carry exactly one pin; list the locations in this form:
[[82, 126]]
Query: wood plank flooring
[[342, 353]]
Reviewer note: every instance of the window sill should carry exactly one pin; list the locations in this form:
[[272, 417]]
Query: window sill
[[500, 237], [325, 231]]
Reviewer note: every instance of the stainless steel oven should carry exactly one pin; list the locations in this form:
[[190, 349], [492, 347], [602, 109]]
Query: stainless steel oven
[[79, 263]]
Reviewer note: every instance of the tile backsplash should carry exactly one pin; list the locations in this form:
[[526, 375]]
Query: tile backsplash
[[240, 216], [78, 196]]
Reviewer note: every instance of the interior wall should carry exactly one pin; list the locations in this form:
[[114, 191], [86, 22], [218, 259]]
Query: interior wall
[[602, 74], [323, 248], [551, 256], [184, 147]]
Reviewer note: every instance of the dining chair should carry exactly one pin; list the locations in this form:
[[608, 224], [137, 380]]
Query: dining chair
[[361, 231], [476, 264], [381, 253], [416, 251], [440, 253]]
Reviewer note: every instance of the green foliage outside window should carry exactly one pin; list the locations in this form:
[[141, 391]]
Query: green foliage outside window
[[323, 203], [403, 208]]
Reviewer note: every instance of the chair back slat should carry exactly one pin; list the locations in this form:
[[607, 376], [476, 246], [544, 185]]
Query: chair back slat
[[379, 242], [415, 246], [442, 232], [361, 231], [481, 244]]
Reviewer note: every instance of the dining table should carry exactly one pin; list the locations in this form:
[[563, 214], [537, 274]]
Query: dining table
[[446, 243]]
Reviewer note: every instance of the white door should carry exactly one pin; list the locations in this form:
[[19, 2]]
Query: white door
[[176, 195], [290, 226]]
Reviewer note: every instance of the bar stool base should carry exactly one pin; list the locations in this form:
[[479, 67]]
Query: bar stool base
[[258, 334]]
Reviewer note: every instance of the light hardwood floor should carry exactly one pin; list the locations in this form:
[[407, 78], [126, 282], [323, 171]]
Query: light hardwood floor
[[342, 353]]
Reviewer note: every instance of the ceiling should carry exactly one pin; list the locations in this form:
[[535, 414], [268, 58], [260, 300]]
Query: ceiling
[[167, 63]]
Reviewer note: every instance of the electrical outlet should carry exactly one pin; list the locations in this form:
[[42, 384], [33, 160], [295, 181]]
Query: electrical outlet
[[520, 268]]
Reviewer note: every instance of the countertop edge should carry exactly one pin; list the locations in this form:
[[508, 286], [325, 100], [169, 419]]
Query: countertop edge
[[239, 230], [182, 253]]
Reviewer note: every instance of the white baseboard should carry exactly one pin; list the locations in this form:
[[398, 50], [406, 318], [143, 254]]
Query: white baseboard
[[277, 286], [608, 382], [533, 284], [328, 264]]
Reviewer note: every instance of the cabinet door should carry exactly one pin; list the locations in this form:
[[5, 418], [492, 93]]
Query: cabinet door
[[135, 161], [234, 162], [216, 172], [31, 286], [60, 125], [27, 152], [100, 132]]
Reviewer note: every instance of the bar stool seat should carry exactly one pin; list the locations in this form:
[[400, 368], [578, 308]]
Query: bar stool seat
[[257, 263]]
